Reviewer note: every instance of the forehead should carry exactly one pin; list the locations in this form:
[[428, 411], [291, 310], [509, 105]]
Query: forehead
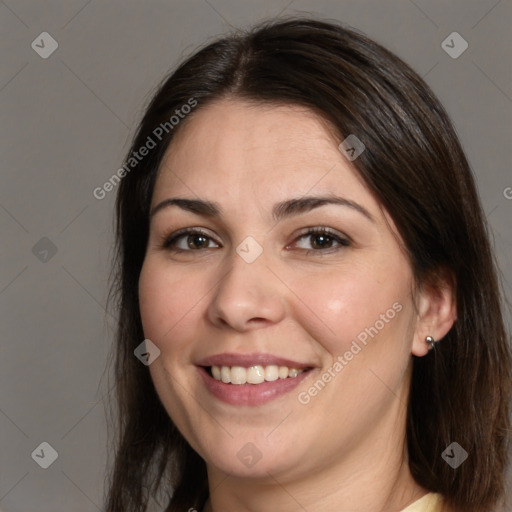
[[224, 123], [240, 144]]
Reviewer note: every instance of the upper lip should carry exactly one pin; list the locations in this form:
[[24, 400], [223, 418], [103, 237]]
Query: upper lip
[[247, 360]]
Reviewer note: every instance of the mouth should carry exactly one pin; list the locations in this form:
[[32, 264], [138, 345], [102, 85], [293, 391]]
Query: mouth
[[251, 379]]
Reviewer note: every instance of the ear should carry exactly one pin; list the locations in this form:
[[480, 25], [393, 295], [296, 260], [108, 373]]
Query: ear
[[436, 312]]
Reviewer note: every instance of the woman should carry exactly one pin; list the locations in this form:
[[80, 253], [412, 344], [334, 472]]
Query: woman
[[303, 252]]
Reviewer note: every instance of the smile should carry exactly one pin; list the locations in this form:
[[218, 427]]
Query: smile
[[251, 379], [256, 374]]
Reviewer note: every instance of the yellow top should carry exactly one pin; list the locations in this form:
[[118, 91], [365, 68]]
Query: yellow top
[[431, 502]]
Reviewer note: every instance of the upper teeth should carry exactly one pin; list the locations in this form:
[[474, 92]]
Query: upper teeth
[[254, 374]]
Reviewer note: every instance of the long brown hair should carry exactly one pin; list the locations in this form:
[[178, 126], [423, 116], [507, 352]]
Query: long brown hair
[[415, 166]]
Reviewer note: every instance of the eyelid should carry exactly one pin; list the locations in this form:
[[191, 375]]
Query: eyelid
[[323, 229]]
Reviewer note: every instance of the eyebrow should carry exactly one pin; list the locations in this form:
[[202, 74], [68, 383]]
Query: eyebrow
[[280, 210]]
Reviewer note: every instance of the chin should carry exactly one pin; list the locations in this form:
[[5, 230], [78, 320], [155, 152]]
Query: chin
[[249, 463]]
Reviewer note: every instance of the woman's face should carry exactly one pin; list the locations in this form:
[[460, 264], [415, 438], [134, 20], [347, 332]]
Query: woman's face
[[256, 288]]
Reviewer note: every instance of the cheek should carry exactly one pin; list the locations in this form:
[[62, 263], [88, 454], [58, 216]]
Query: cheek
[[168, 305], [339, 308], [361, 322]]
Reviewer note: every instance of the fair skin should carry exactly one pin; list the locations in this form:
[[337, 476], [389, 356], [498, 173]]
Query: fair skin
[[300, 299]]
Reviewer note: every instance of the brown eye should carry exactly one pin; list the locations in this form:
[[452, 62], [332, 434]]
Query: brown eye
[[188, 240], [196, 241], [320, 239]]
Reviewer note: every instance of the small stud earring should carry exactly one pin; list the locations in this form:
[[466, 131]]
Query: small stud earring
[[431, 342]]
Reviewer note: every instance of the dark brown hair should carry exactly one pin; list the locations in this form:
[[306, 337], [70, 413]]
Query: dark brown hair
[[417, 170]]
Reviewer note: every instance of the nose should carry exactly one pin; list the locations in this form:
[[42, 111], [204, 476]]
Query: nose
[[248, 296]]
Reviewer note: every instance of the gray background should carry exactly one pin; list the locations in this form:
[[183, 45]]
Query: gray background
[[66, 124]]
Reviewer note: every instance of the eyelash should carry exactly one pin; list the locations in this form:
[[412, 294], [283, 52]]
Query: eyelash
[[169, 240]]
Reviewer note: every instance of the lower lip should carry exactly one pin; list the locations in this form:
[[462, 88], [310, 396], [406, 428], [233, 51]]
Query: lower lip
[[250, 394]]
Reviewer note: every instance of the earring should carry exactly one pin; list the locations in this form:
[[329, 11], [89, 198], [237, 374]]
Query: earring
[[431, 342]]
